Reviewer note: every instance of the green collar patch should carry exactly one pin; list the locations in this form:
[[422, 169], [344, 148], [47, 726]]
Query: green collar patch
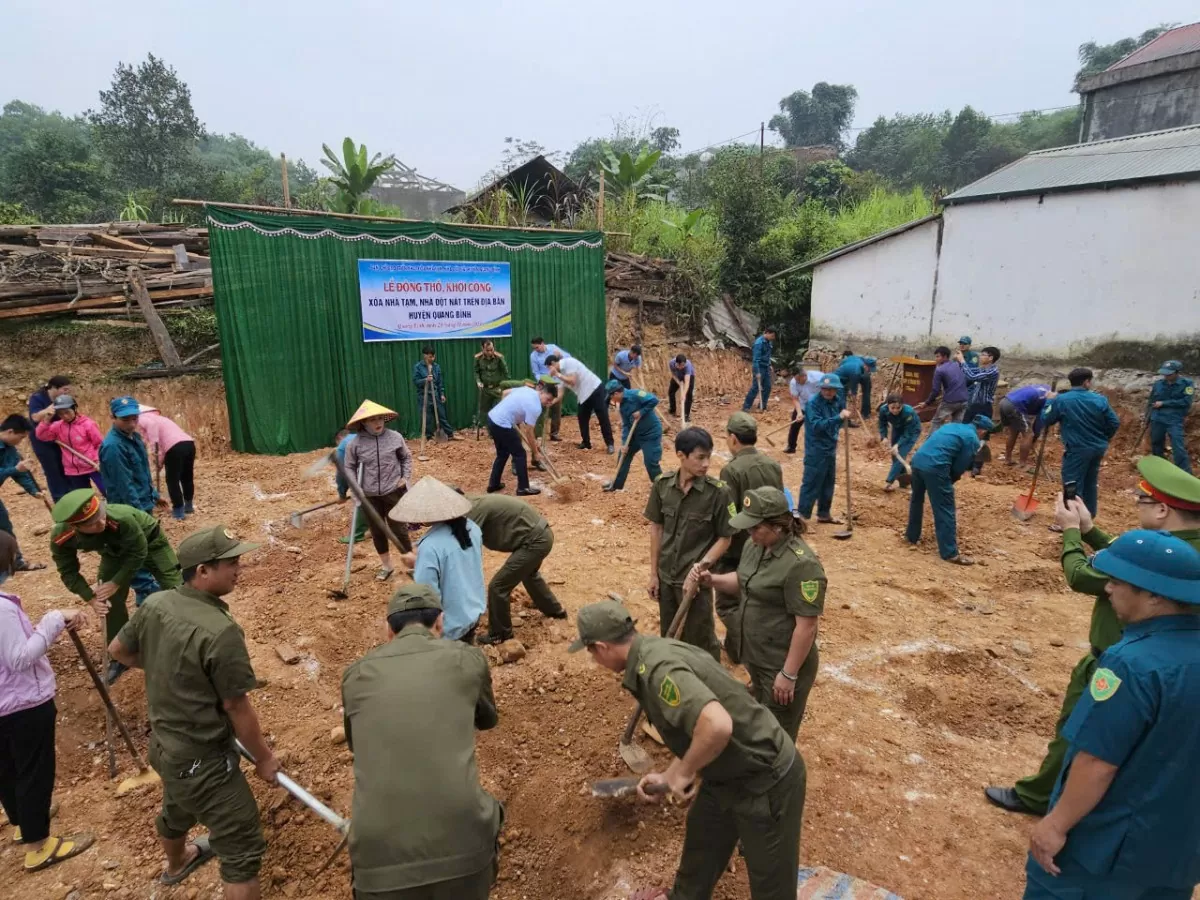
[[1104, 684], [668, 692]]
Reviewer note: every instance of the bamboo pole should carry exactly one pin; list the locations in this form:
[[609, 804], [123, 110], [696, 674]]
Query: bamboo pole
[[600, 204], [287, 195]]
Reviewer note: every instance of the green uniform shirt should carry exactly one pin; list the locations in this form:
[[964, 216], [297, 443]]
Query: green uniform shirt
[[129, 536], [1106, 628], [490, 372], [691, 522], [777, 585], [748, 469], [506, 522], [420, 815], [674, 681], [195, 658]]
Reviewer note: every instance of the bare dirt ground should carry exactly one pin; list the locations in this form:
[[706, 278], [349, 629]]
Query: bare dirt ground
[[935, 682]]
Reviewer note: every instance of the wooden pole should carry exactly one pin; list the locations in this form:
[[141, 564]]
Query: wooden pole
[[762, 144], [287, 195], [158, 331], [600, 205]]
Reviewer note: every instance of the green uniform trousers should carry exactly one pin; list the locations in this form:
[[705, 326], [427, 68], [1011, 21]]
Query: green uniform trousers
[[1035, 790], [768, 826], [698, 629], [214, 793], [728, 606], [469, 887], [522, 567], [789, 717], [160, 562]]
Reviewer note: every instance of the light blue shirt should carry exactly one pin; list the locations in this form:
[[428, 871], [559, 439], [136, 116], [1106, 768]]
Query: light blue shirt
[[623, 361], [457, 574], [521, 406], [537, 361]]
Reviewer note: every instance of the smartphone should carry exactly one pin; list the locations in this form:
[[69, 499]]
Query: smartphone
[[1068, 491]]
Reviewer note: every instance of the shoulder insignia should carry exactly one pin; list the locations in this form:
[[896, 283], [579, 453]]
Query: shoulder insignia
[[112, 525], [65, 536], [479, 354], [1104, 684], [809, 590], [1189, 390], [1046, 409], [733, 510], [640, 392], [799, 551], [665, 475], [716, 481], [668, 692], [641, 669]]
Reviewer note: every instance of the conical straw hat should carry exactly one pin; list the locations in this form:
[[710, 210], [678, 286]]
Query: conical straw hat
[[430, 501], [370, 409]]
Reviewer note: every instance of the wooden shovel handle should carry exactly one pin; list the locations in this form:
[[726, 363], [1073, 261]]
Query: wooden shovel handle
[[672, 631], [103, 690]]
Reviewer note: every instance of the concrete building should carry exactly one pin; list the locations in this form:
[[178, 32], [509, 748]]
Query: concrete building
[[1087, 251], [1155, 87]]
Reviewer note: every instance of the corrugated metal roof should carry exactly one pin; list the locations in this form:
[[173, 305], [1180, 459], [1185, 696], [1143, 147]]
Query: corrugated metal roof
[[1157, 156], [1185, 39]]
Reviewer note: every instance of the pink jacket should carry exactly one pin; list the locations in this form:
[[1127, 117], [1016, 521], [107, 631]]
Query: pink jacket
[[83, 436], [158, 429], [26, 679]]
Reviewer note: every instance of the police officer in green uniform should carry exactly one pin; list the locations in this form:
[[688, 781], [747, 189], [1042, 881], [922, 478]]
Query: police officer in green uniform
[[1168, 499], [689, 516], [747, 469], [781, 584], [423, 828], [751, 777], [198, 681], [490, 371], [128, 540], [510, 525]]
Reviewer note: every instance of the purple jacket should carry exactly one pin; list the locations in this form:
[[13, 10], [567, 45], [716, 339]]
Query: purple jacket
[[950, 381], [26, 679]]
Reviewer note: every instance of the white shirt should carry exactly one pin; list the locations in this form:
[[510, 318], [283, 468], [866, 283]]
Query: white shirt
[[522, 405], [806, 391], [586, 381]]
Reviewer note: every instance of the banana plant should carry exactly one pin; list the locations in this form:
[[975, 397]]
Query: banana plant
[[354, 174], [629, 178], [689, 223]]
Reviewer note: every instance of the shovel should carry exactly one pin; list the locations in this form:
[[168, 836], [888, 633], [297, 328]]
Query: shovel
[[344, 592], [621, 454], [424, 424], [1025, 505], [611, 788], [478, 413], [301, 513], [96, 468], [770, 434], [438, 435], [906, 479], [145, 774], [371, 513], [849, 532]]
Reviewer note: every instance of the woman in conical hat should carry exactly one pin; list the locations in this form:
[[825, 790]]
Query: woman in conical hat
[[380, 459], [450, 555]]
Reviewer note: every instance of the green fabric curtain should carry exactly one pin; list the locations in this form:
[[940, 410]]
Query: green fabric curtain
[[296, 366]]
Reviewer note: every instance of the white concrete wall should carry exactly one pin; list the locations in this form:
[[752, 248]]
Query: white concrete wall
[[1054, 276], [881, 292]]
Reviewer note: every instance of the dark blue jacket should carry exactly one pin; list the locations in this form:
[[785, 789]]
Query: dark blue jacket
[[125, 468], [948, 451], [762, 352], [436, 389], [1176, 400], [9, 457], [821, 425], [1086, 421], [904, 427], [852, 367], [639, 401]]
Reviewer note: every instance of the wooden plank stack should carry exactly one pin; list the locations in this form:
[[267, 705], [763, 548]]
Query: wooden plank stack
[[83, 270]]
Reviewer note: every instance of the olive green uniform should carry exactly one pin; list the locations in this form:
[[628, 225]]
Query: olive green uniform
[[422, 826], [195, 658], [753, 792], [131, 540], [510, 525], [1105, 631], [490, 372], [748, 469], [691, 523]]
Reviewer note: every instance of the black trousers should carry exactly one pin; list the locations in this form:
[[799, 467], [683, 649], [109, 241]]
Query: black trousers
[[673, 389], [794, 429], [508, 444], [596, 403], [27, 769], [178, 462]]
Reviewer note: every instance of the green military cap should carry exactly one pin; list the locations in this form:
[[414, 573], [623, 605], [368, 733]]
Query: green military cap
[[409, 597], [607, 620], [77, 506], [210, 544], [1169, 484], [742, 424], [760, 504]]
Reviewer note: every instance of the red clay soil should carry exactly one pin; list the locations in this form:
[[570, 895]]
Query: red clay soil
[[935, 682]]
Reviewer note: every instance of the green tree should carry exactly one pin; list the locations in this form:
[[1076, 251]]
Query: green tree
[[145, 127], [354, 174], [904, 149], [1096, 58], [828, 182], [822, 117], [55, 176], [631, 179]]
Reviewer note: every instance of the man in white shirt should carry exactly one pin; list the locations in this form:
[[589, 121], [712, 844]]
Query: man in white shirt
[[591, 395], [804, 384], [537, 365], [516, 414]]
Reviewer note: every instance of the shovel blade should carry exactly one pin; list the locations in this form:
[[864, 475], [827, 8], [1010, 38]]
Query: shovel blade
[[1024, 507], [148, 776], [636, 758], [904, 480], [843, 535], [614, 787]]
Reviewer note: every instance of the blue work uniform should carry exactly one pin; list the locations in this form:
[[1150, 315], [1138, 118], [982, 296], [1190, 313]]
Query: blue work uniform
[[1086, 423], [1168, 419], [435, 415], [853, 372], [125, 468], [47, 452], [760, 372], [9, 457], [822, 423], [647, 435], [1140, 713], [624, 362], [946, 454], [903, 431]]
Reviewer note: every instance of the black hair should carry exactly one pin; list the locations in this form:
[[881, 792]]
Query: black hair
[[189, 574], [636, 348], [681, 358], [551, 389], [342, 432], [59, 381], [553, 359], [993, 352], [8, 553], [487, 341], [746, 440], [428, 350], [1076, 376], [537, 340], [16, 422], [458, 528], [770, 329], [846, 353], [893, 397], [942, 351], [401, 619], [693, 438]]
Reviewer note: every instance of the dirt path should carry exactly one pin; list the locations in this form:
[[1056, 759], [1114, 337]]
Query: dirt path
[[923, 698]]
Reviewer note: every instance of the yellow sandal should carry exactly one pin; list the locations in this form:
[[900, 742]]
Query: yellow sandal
[[17, 830], [56, 849]]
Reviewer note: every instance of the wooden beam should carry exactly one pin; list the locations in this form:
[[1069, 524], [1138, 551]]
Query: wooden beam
[[287, 194], [120, 243], [158, 331]]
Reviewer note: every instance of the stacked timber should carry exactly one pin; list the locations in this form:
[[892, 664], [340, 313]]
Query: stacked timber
[[630, 278]]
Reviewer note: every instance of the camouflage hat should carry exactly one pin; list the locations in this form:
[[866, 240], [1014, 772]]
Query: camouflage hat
[[409, 597], [742, 424], [210, 544], [607, 620], [758, 505]]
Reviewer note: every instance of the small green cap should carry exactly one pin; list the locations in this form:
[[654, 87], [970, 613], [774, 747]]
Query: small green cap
[[213, 543], [409, 597], [741, 425], [607, 620], [758, 505]]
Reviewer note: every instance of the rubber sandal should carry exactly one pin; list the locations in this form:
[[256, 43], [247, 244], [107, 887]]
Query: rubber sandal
[[832, 520], [66, 847], [889, 488], [385, 574], [31, 567], [204, 855], [17, 829], [961, 561]]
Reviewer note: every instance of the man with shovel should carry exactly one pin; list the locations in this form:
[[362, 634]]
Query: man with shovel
[[198, 681], [431, 394], [490, 371], [823, 419], [1086, 423], [742, 773], [946, 454], [1170, 400], [899, 428], [641, 431]]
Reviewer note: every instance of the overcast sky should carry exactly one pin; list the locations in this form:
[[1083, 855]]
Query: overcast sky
[[442, 83]]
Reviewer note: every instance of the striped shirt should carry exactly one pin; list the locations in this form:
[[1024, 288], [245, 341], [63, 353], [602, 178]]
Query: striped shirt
[[982, 383]]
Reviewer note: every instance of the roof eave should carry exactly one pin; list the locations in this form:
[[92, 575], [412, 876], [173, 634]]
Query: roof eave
[[1072, 188]]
